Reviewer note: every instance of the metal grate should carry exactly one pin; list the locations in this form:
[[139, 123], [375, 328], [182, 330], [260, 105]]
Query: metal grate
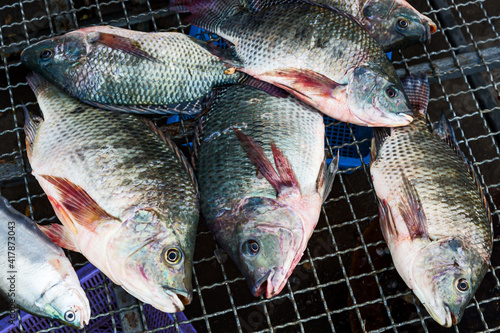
[[346, 281]]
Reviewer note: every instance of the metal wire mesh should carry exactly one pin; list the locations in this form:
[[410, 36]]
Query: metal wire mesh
[[345, 281]]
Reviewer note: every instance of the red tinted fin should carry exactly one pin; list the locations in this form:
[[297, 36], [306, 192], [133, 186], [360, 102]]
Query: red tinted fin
[[31, 125], [285, 178], [386, 221], [60, 236], [264, 86], [412, 211], [78, 206], [417, 90], [304, 80], [284, 168], [123, 44]]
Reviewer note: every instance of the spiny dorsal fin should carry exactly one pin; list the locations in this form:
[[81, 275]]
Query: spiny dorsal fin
[[326, 176], [174, 149], [31, 125], [417, 90], [122, 44]]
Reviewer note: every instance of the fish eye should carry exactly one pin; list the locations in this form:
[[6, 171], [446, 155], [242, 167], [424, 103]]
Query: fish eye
[[463, 285], [172, 255], [251, 247], [69, 316], [391, 92], [403, 23], [46, 54]]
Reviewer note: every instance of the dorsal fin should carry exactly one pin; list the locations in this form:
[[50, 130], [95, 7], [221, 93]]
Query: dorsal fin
[[417, 90], [174, 149]]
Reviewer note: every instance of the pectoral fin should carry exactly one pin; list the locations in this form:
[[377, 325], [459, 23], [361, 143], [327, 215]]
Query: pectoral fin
[[386, 220], [30, 128], [121, 43], [281, 181], [326, 176], [412, 211], [75, 206]]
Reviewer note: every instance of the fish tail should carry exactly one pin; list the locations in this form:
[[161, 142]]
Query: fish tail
[[206, 13], [37, 83], [417, 90]]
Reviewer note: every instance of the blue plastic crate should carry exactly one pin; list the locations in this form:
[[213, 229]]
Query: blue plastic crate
[[95, 284], [202, 34]]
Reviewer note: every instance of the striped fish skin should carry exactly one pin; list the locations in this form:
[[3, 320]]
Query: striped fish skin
[[46, 284], [433, 215], [115, 66], [264, 230], [394, 24], [127, 197], [321, 56]]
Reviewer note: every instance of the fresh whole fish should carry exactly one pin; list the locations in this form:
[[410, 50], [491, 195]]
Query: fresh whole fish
[[131, 71], [125, 194], [35, 274], [320, 55], [433, 213], [394, 24], [263, 218]]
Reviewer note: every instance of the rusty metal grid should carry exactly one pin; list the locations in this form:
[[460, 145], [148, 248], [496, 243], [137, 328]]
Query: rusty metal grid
[[346, 281]]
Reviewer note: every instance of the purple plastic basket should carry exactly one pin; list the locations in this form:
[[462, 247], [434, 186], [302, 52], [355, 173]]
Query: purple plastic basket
[[98, 289]]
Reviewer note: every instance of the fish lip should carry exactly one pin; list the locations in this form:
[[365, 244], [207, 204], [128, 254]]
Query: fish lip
[[257, 287], [429, 29], [179, 297]]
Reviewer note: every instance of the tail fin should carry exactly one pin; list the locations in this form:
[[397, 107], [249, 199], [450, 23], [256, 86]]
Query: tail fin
[[206, 13], [417, 90]]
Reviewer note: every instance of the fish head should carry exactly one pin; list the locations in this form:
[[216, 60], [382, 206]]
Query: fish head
[[54, 57], [377, 98], [445, 275], [156, 260], [265, 243], [66, 303], [394, 24]]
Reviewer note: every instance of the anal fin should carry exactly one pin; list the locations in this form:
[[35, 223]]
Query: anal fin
[[60, 236]]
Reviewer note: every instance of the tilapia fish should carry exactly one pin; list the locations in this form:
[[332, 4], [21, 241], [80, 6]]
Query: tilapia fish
[[35, 274], [131, 71], [263, 179], [320, 55], [433, 215], [125, 194], [394, 24]]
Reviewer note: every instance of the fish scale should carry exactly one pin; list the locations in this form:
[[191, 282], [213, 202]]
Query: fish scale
[[125, 194], [406, 151], [432, 211], [239, 202], [166, 68]]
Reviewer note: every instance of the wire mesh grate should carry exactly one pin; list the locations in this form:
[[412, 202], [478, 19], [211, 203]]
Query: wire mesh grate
[[346, 281]]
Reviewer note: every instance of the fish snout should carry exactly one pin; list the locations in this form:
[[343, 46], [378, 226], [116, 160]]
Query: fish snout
[[264, 285], [429, 28], [180, 298]]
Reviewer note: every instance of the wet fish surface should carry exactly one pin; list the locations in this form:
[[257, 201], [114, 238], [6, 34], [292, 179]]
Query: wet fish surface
[[131, 71], [433, 214], [263, 178], [394, 24], [321, 56], [125, 194], [36, 274]]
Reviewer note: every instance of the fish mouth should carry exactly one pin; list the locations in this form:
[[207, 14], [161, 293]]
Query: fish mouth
[[180, 298], [445, 319], [397, 119], [264, 285], [429, 28]]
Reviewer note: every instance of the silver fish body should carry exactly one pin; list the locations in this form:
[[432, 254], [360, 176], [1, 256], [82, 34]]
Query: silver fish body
[[321, 56], [129, 70], [36, 274], [126, 196], [433, 215], [262, 221]]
